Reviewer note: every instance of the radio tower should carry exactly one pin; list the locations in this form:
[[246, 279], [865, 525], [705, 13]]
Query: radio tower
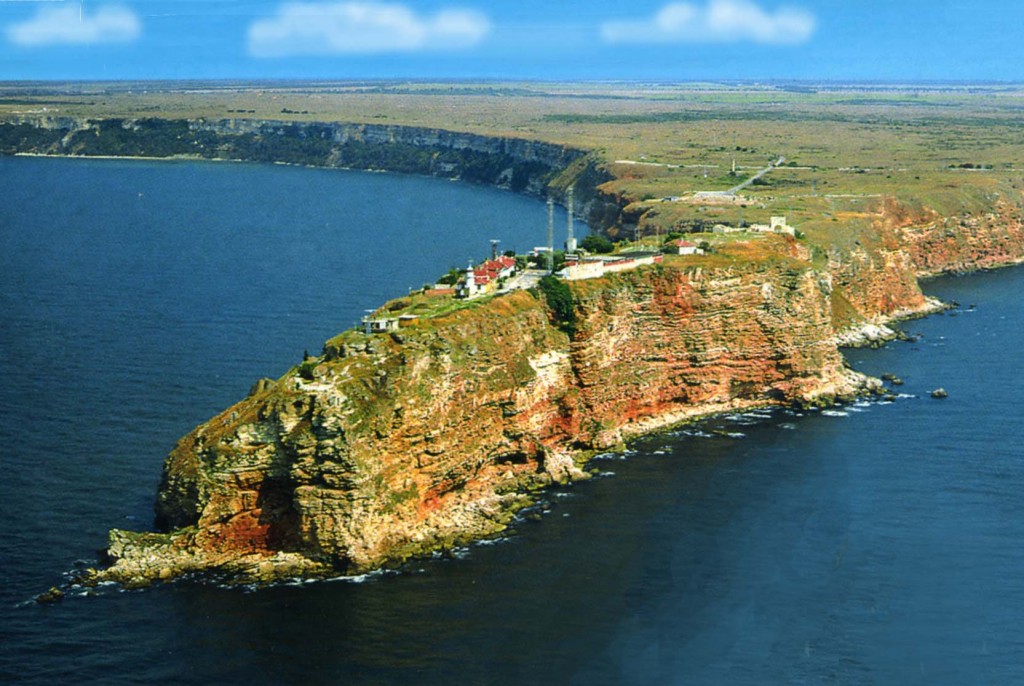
[[570, 243], [551, 235]]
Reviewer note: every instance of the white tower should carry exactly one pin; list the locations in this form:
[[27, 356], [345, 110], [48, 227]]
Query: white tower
[[470, 280], [570, 243]]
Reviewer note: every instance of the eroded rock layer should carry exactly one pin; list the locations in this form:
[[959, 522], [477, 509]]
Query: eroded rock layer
[[392, 445]]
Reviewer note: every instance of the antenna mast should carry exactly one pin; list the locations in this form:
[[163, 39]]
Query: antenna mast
[[570, 243], [551, 235]]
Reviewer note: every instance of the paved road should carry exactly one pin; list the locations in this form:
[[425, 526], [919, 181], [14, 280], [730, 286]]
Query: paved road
[[524, 279], [736, 189]]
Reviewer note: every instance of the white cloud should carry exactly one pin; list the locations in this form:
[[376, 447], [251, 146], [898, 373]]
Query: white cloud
[[720, 21], [338, 28], [69, 24]]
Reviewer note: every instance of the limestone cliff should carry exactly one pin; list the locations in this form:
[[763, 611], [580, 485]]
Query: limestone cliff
[[967, 241], [519, 164], [877, 270], [392, 445]]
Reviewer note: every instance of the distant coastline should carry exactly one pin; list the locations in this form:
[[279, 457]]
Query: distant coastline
[[524, 166]]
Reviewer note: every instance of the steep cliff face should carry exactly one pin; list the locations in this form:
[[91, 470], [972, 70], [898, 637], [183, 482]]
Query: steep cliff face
[[518, 149], [875, 281], [876, 273], [520, 164], [385, 444], [658, 347], [962, 243], [393, 445]]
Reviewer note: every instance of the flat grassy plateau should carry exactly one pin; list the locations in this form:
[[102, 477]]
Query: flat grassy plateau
[[953, 149]]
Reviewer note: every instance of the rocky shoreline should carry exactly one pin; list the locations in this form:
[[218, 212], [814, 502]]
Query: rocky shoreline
[[344, 473]]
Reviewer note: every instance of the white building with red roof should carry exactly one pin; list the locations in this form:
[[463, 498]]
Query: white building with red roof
[[484, 277], [685, 247]]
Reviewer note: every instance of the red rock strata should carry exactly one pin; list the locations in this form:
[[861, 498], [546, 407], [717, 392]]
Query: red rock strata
[[395, 445]]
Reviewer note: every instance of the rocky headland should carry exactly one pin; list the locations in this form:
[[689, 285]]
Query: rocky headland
[[394, 445]]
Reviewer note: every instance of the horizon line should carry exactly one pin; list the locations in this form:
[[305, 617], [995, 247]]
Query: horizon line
[[525, 80]]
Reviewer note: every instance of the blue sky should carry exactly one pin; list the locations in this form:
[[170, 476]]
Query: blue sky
[[524, 39]]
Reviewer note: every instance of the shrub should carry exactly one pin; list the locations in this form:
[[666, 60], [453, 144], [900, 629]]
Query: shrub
[[558, 260], [596, 243], [306, 369], [451, 278]]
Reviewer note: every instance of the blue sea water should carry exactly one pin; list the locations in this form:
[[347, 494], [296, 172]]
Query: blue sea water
[[879, 543]]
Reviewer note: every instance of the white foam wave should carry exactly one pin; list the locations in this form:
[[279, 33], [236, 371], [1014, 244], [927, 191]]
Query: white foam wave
[[607, 456], [360, 578], [492, 541]]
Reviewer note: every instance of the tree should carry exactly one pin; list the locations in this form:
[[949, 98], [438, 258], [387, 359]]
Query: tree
[[597, 243], [451, 278], [558, 260]]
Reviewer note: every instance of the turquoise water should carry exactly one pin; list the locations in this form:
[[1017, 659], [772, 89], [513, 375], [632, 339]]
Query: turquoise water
[[881, 543]]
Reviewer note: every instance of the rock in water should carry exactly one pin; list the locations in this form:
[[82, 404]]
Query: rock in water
[[52, 596], [940, 393]]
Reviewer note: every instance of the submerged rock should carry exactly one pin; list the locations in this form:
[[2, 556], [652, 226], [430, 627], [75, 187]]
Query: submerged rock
[[53, 595]]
